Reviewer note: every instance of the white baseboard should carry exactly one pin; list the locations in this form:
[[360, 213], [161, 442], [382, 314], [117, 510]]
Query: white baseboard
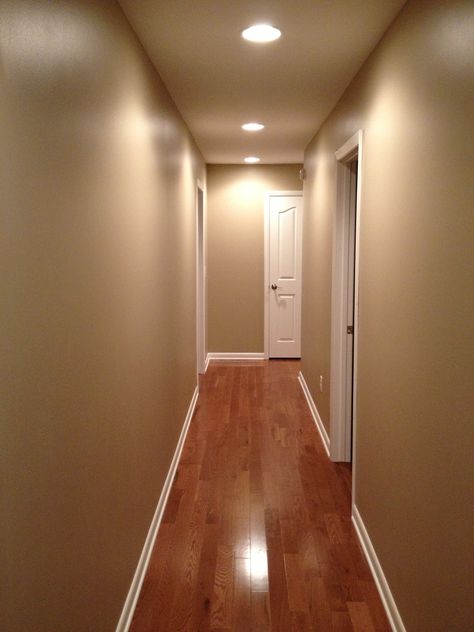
[[386, 596], [134, 592], [234, 356], [314, 412], [206, 363]]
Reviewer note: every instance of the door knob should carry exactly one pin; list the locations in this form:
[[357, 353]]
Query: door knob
[[274, 286]]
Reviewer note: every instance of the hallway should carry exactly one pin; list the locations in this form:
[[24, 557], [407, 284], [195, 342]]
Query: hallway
[[257, 534]]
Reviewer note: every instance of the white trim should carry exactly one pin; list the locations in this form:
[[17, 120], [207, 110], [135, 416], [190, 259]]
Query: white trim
[[381, 582], [140, 572], [314, 412], [348, 151], [206, 364], [266, 264], [200, 282], [340, 409], [234, 356]]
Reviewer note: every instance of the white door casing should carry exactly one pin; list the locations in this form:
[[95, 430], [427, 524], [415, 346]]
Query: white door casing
[[344, 308], [283, 241], [200, 281]]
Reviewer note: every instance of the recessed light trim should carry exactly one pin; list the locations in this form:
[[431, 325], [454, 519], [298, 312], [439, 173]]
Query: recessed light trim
[[252, 127], [261, 33], [251, 160]]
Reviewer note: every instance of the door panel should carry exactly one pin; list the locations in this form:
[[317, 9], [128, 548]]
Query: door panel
[[285, 233], [286, 317], [286, 244]]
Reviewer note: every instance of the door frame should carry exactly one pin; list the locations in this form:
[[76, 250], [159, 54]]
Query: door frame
[[201, 342], [342, 413], [266, 265]]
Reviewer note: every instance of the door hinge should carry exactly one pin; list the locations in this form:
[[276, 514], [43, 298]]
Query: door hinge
[[350, 329]]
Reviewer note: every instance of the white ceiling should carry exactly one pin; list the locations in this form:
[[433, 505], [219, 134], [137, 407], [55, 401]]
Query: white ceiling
[[220, 81]]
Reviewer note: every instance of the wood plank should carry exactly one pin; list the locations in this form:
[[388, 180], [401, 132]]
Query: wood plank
[[183, 603], [335, 529], [360, 616], [259, 570], [341, 622], [202, 597], [222, 603], [320, 611], [300, 622], [260, 614], [242, 600], [279, 609], [297, 598]]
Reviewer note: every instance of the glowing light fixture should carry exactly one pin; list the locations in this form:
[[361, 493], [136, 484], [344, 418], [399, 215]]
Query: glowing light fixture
[[251, 159], [252, 127], [261, 33]]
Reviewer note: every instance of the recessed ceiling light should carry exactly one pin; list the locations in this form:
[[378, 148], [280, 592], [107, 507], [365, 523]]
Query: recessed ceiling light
[[252, 159], [261, 33], [252, 127]]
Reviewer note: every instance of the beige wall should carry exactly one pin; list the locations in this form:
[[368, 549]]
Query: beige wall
[[413, 98], [97, 330], [235, 202]]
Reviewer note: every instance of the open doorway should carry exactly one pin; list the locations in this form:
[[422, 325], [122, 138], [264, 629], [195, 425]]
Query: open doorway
[[351, 299], [344, 321], [200, 282]]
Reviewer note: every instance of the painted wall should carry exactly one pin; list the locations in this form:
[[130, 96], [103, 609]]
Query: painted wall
[[413, 99], [235, 209], [97, 321]]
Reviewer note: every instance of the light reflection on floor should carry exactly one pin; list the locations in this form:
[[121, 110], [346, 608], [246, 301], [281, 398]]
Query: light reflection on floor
[[257, 567]]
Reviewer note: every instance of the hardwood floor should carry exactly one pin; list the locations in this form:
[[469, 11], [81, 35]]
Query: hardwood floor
[[257, 535]]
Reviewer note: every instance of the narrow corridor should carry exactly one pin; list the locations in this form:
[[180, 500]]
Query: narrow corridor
[[257, 534]]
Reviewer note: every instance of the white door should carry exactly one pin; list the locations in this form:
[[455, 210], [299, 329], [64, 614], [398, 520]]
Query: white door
[[285, 215]]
